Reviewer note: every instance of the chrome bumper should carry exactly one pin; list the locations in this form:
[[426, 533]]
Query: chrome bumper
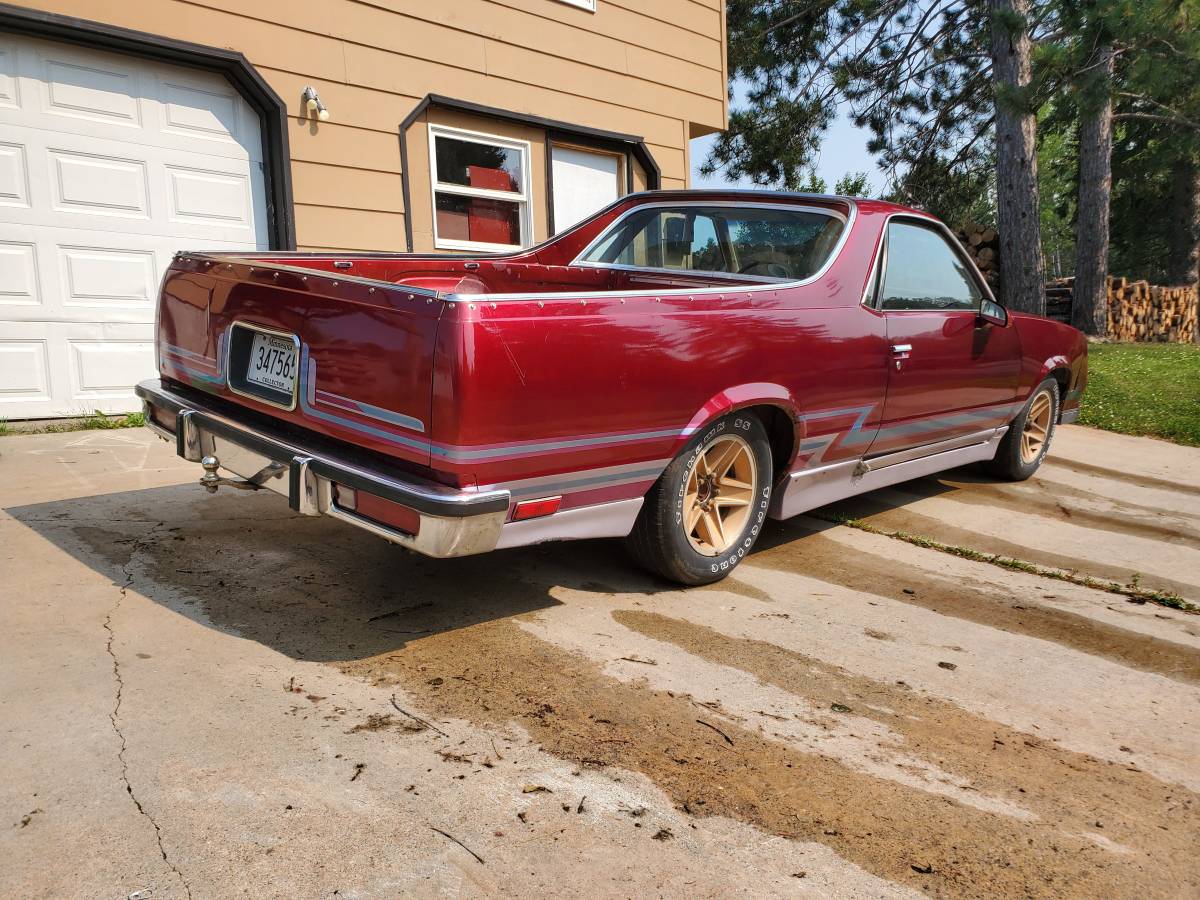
[[452, 522]]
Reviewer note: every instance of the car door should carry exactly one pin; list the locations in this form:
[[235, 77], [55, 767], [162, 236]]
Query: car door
[[952, 373]]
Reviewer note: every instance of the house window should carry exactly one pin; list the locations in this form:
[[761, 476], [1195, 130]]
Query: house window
[[480, 190]]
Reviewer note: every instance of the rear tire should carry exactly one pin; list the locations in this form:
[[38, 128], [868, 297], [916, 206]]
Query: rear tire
[[707, 508], [1023, 448]]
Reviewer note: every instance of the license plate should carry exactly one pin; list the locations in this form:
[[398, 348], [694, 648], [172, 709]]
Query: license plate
[[273, 362]]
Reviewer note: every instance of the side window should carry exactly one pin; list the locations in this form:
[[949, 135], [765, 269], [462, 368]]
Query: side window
[[763, 242], [924, 272]]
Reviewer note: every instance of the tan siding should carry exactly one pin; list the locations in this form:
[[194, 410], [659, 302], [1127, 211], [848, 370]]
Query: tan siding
[[329, 226], [340, 145], [325, 185], [656, 70], [684, 14]]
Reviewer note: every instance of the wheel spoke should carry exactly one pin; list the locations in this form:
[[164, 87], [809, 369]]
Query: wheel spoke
[[715, 528], [732, 501], [693, 516], [726, 458], [732, 484]]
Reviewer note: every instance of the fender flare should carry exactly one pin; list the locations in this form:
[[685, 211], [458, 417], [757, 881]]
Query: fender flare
[[742, 396], [1049, 367]]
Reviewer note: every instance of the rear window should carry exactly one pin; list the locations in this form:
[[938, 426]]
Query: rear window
[[781, 242]]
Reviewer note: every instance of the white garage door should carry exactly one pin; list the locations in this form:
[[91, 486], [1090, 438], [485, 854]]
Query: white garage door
[[108, 165]]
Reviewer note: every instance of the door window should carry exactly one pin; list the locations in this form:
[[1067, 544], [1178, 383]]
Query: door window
[[924, 272]]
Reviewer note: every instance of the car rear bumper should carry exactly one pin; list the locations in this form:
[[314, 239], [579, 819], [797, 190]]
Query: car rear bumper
[[451, 522]]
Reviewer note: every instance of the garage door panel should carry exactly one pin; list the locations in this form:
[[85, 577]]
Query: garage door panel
[[107, 369], [96, 185], [109, 165], [74, 181], [14, 175], [10, 97], [97, 93], [206, 196], [107, 277], [24, 372], [19, 281]]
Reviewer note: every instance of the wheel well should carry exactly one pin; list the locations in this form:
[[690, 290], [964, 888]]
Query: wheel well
[[1063, 377], [781, 433]]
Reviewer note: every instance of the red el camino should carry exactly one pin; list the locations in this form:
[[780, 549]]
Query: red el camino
[[672, 370]]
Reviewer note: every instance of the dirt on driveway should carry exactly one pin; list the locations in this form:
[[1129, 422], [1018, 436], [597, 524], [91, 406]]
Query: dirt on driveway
[[208, 696]]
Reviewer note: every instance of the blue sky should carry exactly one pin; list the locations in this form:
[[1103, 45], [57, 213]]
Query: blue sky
[[843, 150]]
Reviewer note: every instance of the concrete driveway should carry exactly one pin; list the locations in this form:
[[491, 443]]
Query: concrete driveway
[[209, 697]]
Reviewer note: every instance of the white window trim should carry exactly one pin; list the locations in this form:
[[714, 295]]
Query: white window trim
[[589, 5], [524, 199]]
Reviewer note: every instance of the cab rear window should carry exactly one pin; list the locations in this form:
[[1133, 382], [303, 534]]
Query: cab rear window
[[768, 242]]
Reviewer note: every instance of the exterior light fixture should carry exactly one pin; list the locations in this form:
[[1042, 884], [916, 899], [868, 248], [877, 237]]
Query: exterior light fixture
[[313, 103]]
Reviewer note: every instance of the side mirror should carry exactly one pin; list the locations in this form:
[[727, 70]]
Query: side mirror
[[992, 313]]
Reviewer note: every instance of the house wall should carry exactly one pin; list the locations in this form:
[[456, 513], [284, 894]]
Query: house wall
[[651, 69]]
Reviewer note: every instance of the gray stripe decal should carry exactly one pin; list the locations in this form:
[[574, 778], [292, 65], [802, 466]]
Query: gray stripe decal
[[938, 422], [573, 443], [565, 487], [307, 391]]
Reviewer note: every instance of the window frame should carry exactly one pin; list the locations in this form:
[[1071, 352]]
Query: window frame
[[524, 199], [874, 287], [692, 204]]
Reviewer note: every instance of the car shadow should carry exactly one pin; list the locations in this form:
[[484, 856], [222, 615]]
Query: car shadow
[[314, 589]]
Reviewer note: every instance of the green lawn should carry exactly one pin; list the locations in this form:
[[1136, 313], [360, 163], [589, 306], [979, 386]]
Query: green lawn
[[1151, 389]]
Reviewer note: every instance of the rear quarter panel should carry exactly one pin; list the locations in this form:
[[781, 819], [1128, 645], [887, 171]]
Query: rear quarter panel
[[1052, 348]]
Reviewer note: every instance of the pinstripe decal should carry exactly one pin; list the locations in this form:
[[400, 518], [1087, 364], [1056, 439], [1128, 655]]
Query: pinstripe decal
[[308, 376]]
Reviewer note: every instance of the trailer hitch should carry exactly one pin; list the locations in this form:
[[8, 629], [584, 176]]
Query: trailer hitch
[[210, 480]]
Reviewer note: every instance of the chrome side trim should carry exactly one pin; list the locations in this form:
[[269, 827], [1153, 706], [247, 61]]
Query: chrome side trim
[[600, 521], [902, 456], [810, 488]]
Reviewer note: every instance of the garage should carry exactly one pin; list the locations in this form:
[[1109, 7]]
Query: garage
[[109, 164]]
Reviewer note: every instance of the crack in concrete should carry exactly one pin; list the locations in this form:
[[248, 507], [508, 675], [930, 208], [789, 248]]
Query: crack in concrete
[[114, 716]]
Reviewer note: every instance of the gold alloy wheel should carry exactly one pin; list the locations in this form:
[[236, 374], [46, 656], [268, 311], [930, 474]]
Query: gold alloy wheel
[[1037, 427], [719, 495]]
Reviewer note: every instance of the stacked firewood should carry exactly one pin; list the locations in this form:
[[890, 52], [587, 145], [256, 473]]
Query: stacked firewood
[[983, 246], [1140, 311], [1137, 310]]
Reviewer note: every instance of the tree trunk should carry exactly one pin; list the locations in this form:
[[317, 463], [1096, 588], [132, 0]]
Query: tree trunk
[[1022, 271], [1183, 264], [1089, 305]]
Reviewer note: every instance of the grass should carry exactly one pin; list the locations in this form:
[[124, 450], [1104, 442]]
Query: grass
[[1145, 389], [97, 421], [1132, 591]]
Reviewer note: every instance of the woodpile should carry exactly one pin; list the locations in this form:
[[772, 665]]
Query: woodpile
[[983, 246], [1137, 310]]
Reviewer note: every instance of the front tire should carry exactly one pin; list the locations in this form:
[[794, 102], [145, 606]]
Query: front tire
[[1023, 448], [707, 508]]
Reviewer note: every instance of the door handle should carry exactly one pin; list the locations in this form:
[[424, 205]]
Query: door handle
[[901, 348]]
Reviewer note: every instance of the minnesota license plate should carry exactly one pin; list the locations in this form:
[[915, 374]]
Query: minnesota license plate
[[273, 362]]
